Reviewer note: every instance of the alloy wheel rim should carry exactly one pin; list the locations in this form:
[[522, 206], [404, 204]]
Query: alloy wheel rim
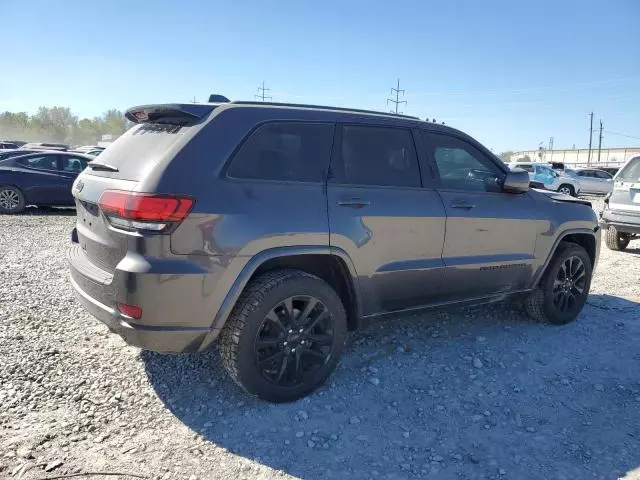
[[9, 199], [295, 339], [565, 190], [570, 283]]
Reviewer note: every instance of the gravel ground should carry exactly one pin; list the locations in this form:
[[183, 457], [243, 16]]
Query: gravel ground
[[482, 393]]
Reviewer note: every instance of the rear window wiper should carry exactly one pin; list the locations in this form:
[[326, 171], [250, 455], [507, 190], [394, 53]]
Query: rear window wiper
[[102, 166]]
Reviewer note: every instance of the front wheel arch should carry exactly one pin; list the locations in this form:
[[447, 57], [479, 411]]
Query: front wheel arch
[[583, 237]]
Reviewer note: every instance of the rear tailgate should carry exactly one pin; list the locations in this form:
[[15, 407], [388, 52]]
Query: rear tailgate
[[625, 196], [161, 131]]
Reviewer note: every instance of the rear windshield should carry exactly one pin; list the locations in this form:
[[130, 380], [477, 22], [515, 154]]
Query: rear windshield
[[139, 149], [631, 171]]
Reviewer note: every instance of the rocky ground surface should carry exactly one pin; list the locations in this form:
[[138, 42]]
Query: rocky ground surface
[[481, 393]]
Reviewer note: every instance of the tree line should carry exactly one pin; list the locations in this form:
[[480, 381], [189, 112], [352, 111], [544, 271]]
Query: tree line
[[60, 125]]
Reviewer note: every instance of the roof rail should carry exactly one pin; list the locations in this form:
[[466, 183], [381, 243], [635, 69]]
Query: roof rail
[[323, 107]]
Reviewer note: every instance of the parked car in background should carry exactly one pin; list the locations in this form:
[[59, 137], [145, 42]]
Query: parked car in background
[[18, 152], [18, 143], [8, 145], [541, 173], [45, 146], [94, 153], [592, 180], [87, 149], [276, 228], [621, 214], [557, 166], [42, 178]]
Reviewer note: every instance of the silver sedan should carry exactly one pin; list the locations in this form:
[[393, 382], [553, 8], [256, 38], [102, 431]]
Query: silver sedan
[[592, 180]]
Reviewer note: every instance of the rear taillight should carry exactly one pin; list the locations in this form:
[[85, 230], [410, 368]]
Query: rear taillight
[[132, 311], [144, 211]]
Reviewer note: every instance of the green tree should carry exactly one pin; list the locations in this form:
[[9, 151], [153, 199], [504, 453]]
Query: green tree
[[59, 124], [506, 156]]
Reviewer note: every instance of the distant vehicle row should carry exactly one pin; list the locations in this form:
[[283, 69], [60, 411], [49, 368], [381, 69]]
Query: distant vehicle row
[[568, 181], [87, 149]]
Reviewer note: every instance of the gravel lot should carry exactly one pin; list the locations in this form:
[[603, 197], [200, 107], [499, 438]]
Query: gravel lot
[[482, 393]]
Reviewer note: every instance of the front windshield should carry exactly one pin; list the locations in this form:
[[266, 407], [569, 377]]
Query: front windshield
[[630, 172]]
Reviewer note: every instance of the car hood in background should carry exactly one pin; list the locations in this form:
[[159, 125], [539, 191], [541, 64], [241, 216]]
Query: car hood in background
[[561, 197]]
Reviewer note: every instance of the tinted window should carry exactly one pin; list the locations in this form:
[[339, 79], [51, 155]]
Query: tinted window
[[602, 175], [461, 166], [378, 156], [526, 168], [139, 149], [285, 151], [73, 164], [45, 162]]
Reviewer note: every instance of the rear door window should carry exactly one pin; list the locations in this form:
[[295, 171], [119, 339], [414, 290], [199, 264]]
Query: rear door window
[[285, 151], [602, 175], [382, 156], [73, 164]]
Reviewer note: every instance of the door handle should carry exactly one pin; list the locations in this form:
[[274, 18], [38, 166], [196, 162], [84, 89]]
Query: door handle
[[462, 205], [354, 203]]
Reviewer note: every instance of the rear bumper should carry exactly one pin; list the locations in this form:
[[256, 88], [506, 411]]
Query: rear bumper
[[176, 318], [624, 223], [157, 339]]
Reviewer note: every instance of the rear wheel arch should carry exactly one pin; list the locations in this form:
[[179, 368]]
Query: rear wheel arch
[[329, 264]]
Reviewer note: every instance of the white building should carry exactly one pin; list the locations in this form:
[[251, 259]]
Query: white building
[[580, 156]]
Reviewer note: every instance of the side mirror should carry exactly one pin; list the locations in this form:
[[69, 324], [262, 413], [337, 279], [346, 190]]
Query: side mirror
[[516, 181]]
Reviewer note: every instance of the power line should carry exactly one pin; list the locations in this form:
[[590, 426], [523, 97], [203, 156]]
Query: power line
[[262, 93], [600, 141], [621, 134], [397, 101], [590, 137]]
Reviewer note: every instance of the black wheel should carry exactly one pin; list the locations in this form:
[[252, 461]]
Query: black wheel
[[564, 287], [284, 336], [567, 189], [11, 200], [616, 240]]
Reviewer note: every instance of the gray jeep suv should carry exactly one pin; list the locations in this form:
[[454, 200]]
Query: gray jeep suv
[[275, 229]]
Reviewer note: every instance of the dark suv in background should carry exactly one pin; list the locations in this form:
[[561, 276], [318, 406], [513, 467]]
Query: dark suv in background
[[276, 228]]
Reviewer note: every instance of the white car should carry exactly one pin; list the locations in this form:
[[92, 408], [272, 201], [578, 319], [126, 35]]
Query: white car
[[592, 180], [551, 179]]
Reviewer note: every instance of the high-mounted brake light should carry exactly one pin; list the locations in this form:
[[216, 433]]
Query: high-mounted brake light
[[144, 210]]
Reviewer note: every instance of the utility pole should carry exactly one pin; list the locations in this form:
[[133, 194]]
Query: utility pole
[[550, 143], [600, 141], [262, 93], [194, 99], [590, 138], [397, 100]]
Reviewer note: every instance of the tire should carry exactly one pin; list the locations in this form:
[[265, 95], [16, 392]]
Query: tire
[[567, 189], [11, 200], [277, 380], [544, 304], [616, 240]]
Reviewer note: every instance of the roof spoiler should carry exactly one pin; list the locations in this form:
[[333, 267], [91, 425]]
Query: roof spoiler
[[169, 113]]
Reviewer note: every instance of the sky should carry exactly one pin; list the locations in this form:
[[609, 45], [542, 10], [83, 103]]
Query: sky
[[512, 74]]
